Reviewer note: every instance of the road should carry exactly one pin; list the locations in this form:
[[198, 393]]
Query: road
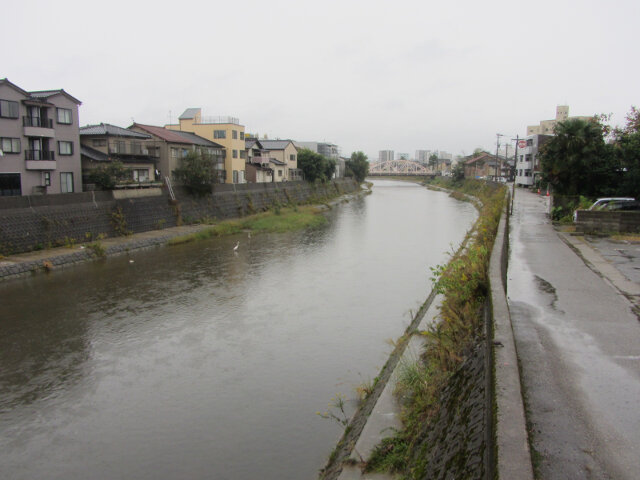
[[578, 344]]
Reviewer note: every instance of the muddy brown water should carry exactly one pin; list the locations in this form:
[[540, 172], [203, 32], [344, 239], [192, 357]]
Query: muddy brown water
[[193, 362]]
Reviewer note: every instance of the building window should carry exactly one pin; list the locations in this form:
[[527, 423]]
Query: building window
[[10, 184], [234, 134], [527, 157], [65, 148], [141, 175], [279, 173], [219, 134], [99, 142], [66, 182], [241, 135], [292, 158], [10, 145], [174, 153], [243, 154], [8, 109], [46, 179], [235, 176], [530, 142], [64, 115], [235, 154]]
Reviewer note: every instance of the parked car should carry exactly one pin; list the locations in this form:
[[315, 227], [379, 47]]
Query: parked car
[[612, 203]]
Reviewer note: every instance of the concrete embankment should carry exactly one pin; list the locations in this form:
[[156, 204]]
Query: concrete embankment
[[479, 431], [125, 224]]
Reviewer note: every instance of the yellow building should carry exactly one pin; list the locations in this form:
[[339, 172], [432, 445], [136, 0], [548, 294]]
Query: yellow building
[[225, 131]]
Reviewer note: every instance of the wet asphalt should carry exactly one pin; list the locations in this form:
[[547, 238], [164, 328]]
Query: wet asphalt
[[578, 343]]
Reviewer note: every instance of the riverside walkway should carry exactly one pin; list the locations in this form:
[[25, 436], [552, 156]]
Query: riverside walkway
[[578, 344]]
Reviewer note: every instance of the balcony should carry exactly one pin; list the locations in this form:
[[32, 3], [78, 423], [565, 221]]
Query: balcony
[[40, 160], [38, 127]]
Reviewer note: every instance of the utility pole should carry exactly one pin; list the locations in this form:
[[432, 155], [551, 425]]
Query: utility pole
[[498, 135]]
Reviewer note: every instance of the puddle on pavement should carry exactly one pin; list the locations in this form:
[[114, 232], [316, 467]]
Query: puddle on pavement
[[547, 288]]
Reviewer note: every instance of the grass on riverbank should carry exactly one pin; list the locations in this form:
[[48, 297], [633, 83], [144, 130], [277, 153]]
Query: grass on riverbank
[[277, 220], [465, 285]]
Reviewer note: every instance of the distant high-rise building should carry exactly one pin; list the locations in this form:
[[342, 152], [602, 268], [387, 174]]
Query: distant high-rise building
[[385, 155], [402, 156], [422, 156]]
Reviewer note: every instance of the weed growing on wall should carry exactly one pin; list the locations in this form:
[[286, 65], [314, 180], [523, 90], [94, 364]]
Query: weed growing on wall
[[119, 222], [464, 284]]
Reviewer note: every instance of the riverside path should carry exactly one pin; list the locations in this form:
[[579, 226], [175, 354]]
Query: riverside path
[[578, 344]]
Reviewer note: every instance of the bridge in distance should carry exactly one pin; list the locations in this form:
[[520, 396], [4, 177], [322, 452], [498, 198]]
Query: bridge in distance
[[398, 167]]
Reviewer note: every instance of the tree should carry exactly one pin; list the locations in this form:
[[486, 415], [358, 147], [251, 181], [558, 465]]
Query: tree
[[626, 150], [577, 161], [108, 175], [196, 172], [357, 166], [433, 160], [315, 166], [457, 173]]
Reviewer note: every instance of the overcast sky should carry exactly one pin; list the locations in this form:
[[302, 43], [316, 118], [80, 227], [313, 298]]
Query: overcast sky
[[366, 75]]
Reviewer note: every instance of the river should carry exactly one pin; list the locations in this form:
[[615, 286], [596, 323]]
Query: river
[[193, 362]]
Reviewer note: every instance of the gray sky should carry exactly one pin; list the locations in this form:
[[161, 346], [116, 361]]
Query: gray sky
[[366, 75]]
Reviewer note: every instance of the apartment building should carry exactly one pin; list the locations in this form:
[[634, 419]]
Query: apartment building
[[104, 143], [168, 147], [39, 141], [225, 131], [527, 167], [329, 150], [545, 127], [386, 156]]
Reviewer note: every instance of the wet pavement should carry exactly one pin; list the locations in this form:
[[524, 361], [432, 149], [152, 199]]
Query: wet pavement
[[578, 340]]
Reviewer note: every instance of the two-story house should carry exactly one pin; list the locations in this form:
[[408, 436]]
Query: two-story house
[[225, 131], [286, 152], [39, 142], [109, 143], [168, 147], [260, 166]]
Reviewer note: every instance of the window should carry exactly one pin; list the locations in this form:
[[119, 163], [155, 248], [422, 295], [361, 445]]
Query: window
[[64, 115], [219, 134], [279, 173], [99, 142], [141, 175], [10, 145], [235, 154], [234, 134], [174, 153], [292, 158], [65, 148], [235, 176], [10, 184], [529, 142], [243, 154], [8, 109], [66, 182], [241, 135], [46, 179]]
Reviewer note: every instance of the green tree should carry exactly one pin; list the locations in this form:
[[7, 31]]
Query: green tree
[[107, 176], [457, 173], [626, 149], [433, 160], [196, 173], [315, 166], [357, 166], [577, 161]]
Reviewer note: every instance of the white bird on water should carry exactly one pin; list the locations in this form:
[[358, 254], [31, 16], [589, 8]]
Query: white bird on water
[[235, 249]]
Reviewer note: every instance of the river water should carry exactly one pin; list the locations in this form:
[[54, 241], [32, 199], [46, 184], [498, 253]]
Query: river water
[[192, 362]]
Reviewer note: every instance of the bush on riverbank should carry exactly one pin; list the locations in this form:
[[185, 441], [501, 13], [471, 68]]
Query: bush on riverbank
[[278, 220], [465, 285]]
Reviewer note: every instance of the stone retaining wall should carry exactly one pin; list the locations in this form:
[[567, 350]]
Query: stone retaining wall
[[44, 221]]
